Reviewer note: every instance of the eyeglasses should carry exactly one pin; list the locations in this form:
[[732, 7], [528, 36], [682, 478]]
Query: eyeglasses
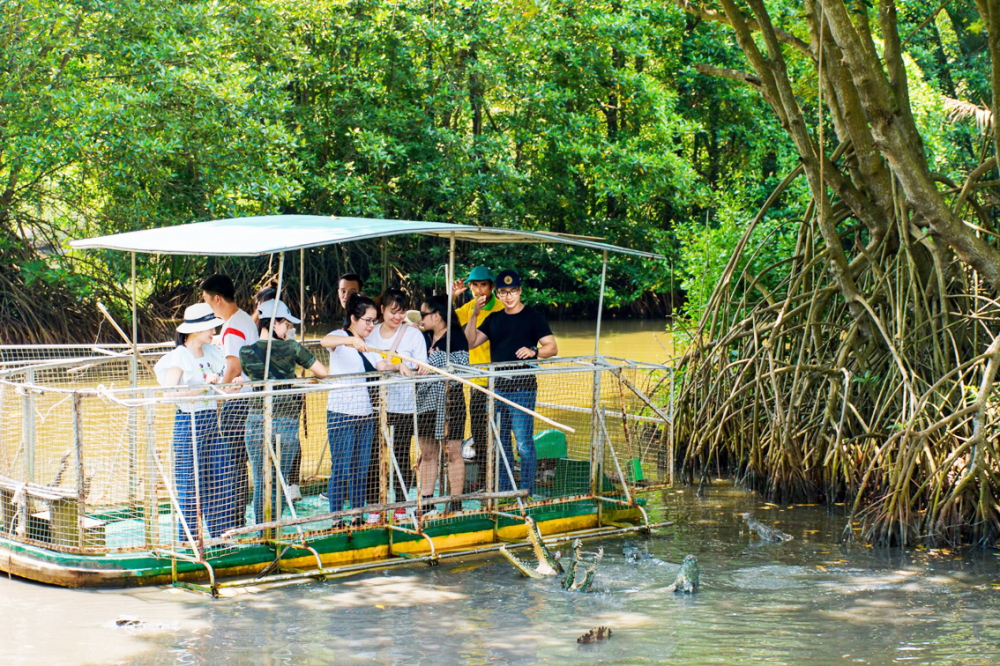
[[503, 293], [368, 320], [425, 314]]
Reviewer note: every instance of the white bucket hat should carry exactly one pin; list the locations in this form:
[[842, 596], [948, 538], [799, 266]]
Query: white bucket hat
[[277, 310], [199, 317]]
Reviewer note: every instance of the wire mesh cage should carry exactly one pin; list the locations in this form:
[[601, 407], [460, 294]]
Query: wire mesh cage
[[96, 458]]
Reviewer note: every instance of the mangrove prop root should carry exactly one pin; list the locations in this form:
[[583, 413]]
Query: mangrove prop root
[[888, 404]]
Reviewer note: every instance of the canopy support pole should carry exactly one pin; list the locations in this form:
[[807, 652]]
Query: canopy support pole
[[135, 330], [133, 416], [600, 305], [449, 289], [270, 327], [302, 292], [385, 265]]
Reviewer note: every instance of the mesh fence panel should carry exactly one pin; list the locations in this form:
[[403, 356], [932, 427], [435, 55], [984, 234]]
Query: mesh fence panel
[[89, 463]]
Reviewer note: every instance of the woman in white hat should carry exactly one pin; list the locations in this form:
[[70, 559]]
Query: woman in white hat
[[196, 362]]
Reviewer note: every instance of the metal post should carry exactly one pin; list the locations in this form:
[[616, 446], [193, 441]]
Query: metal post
[[28, 427], [670, 431], [132, 424], [600, 305], [302, 293], [81, 501], [265, 468], [152, 512], [416, 440], [384, 444], [276, 480], [199, 533], [270, 328], [596, 440], [132, 419], [449, 287], [135, 330], [491, 443], [385, 264]]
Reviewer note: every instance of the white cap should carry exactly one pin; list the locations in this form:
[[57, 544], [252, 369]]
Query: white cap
[[276, 310]]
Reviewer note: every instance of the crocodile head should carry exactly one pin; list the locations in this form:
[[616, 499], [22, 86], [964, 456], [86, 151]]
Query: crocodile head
[[689, 575], [632, 553]]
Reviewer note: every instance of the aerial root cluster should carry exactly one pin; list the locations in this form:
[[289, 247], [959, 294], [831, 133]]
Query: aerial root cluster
[[886, 401]]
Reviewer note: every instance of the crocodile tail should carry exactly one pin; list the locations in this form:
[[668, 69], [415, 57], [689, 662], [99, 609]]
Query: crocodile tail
[[518, 564]]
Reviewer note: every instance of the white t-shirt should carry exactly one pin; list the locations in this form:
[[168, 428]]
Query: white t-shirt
[[238, 331], [346, 360], [195, 371], [401, 396]]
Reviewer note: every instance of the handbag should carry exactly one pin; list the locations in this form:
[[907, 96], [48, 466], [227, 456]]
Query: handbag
[[373, 392]]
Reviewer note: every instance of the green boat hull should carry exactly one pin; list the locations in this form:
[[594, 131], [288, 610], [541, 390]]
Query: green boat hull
[[335, 553]]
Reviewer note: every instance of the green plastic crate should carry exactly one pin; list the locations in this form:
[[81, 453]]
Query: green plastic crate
[[550, 444]]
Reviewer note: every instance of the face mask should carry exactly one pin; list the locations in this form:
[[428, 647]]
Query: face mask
[[291, 333]]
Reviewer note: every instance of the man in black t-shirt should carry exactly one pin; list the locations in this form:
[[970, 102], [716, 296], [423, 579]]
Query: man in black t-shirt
[[519, 333]]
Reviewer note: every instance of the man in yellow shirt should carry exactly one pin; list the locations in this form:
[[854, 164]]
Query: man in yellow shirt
[[480, 283]]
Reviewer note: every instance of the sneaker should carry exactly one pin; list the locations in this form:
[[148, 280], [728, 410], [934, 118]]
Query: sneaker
[[373, 518], [469, 449], [323, 498], [294, 492]]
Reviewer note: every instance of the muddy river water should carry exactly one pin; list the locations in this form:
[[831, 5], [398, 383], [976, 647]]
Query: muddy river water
[[809, 601]]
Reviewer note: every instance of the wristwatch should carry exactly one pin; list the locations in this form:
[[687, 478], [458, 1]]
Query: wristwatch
[[534, 349]]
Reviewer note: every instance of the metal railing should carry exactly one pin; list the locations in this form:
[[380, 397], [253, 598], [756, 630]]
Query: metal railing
[[95, 458]]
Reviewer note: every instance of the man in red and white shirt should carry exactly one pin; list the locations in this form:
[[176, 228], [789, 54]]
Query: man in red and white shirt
[[237, 331]]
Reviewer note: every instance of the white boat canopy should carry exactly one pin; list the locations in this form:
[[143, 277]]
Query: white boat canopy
[[272, 234]]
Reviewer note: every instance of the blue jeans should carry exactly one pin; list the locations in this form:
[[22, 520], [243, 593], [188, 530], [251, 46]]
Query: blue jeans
[[523, 427], [288, 430], [232, 425], [350, 439], [214, 493]]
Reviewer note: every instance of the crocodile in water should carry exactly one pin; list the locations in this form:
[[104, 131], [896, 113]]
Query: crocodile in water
[[764, 531], [688, 578], [636, 555]]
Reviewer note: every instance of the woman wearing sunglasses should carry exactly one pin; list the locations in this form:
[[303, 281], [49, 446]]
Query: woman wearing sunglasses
[[446, 399], [350, 415]]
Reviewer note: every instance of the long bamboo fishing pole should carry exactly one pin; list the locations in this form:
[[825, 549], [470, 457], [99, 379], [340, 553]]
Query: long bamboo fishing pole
[[135, 348], [477, 387], [125, 337]]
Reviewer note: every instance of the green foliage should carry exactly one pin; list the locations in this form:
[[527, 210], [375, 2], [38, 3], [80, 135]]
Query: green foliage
[[587, 117], [707, 245]]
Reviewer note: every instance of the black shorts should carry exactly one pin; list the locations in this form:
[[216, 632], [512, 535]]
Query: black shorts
[[456, 412], [402, 425]]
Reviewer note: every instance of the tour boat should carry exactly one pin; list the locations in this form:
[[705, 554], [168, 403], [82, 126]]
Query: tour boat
[[88, 497]]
